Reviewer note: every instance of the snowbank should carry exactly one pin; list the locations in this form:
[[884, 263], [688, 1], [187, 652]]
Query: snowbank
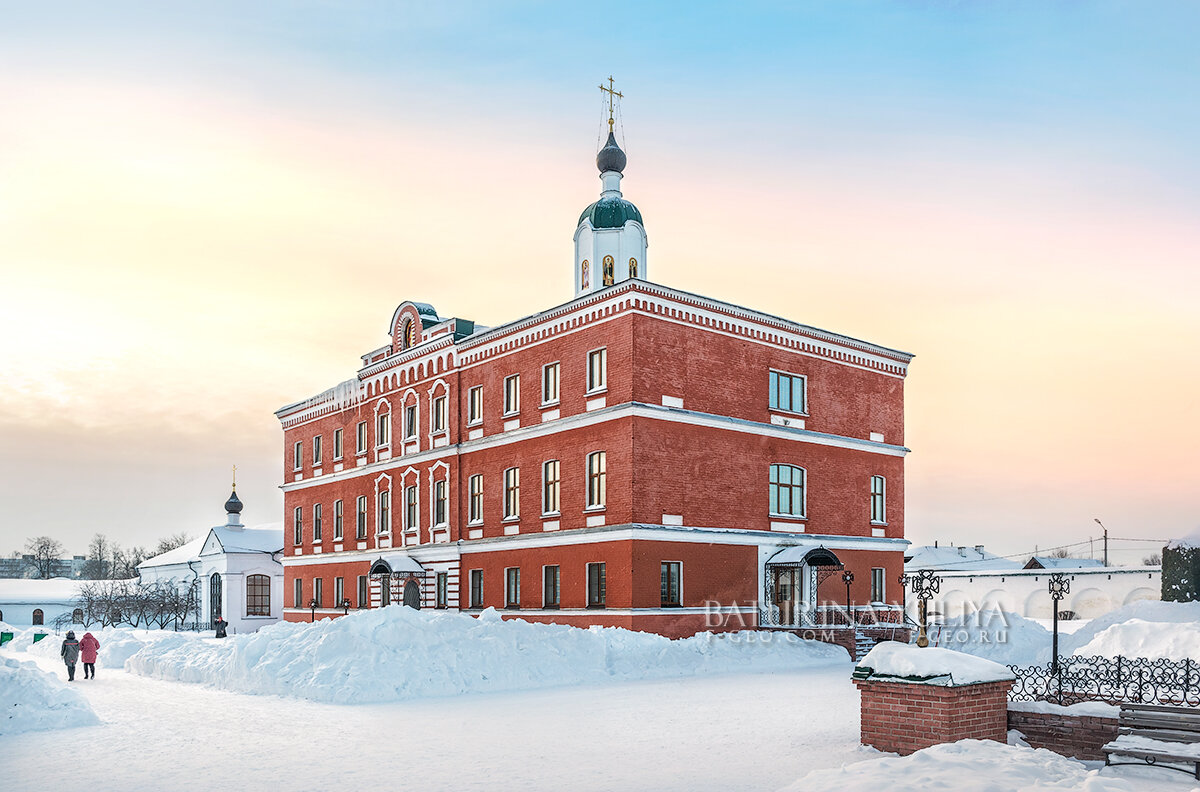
[[1166, 614], [1082, 709], [996, 635], [34, 700], [1188, 542], [397, 653], [978, 765], [891, 658], [1140, 638], [117, 644]]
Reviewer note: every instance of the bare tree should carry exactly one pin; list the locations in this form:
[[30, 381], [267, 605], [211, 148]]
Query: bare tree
[[1154, 559], [99, 560], [43, 552], [1061, 552], [114, 602], [125, 562], [171, 542]]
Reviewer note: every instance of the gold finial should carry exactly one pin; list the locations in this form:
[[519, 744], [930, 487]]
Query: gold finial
[[235, 478], [611, 95]]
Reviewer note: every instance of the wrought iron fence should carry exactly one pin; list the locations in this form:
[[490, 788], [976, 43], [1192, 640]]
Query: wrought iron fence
[[1110, 679]]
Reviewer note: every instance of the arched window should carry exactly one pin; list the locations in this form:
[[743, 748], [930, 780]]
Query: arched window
[[408, 335], [608, 270], [38, 616], [584, 275], [214, 596], [258, 595], [787, 490], [77, 616], [633, 268]]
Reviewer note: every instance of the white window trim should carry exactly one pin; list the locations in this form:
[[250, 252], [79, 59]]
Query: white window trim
[[479, 420], [434, 525], [361, 450], [670, 561], [298, 458], [588, 373], [339, 534], [318, 449], [391, 504], [517, 410], [433, 411], [777, 515], [416, 485], [336, 456], [318, 508], [557, 512], [883, 586], [587, 482], [780, 410], [557, 585], [871, 495], [478, 520], [558, 381], [510, 518]]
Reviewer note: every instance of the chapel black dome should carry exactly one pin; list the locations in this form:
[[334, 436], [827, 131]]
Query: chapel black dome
[[233, 505], [611, 158]]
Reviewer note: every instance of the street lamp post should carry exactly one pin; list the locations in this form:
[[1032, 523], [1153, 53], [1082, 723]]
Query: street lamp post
[[312, 613], [848, 578], [346, 606], [924, 585], [1059, 588]]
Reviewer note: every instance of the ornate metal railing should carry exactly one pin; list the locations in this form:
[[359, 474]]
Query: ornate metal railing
[[1111, 679]]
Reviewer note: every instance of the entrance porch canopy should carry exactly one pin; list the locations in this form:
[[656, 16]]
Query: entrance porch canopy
[[394, 563], [805, 555]]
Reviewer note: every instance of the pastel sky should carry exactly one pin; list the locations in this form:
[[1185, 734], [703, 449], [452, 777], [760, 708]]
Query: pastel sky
[[210, 210]]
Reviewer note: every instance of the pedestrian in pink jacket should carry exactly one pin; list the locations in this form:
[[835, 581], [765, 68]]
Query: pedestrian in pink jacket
[[88, 648]]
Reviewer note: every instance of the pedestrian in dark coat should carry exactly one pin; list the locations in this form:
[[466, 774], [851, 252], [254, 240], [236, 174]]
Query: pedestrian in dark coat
[[88, 647], [70, 654], [221, 625]]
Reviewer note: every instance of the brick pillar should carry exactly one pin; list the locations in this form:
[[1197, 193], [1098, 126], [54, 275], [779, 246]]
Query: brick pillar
[[904, 716]]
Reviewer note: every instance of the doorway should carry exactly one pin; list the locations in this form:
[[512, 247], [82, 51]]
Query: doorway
[[412, 595], [786, 593]]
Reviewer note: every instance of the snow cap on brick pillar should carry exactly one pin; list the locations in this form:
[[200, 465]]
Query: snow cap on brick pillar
[[913, 698]]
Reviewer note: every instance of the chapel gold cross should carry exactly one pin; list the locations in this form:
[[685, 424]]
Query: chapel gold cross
[[611, 95]]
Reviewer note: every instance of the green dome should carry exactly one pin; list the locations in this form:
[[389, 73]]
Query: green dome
[[611, 213]]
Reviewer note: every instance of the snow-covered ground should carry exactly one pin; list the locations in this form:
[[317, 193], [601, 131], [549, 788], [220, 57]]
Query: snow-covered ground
[[709, 724]]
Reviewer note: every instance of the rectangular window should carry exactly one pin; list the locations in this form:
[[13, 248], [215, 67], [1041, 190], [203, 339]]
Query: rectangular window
[[475, 499], [877, 590], [316, 522], [298, 525], [337, 444], [597, 376], [319, 592], [512, 587], [298, 456], [385, 513], [442, 592], [878, 500], [475, 405], [512, 394], [439, 503], [258, 595], [550, 587], [297, 593], [787, 496], [597, 590], [670, 572], [317, 451], [360, 522], [512, 493], [597, 476], [550, 383], [338, 514], [339, 591], [411, 519], [364, 592], [476, 588], [439, 414], [361, 437], [383, 424], [410, 421], [788, 392], [550, 487]]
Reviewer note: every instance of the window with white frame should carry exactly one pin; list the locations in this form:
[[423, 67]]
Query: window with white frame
[[787, 491], [550, 383], [364, 592], [441, 597], [475, 499], [439, 414], [298, 456], [597, 586], [512, 493], [878, 500], [788, 392], [361, 437], [597, 376], [316, 450], [319, 592], [670, 573], [410, 421], [412, 520], [297, 593], [383, 429], [360, 519], [550, 485], [338, 515], [597, 476], [439, 503], [476, 588], [475, 405], [337, 444], [316, 522], [512, 587], [298, 525], [384, 524], [512, 394], [550, 581], [877, 584], [339, 591]]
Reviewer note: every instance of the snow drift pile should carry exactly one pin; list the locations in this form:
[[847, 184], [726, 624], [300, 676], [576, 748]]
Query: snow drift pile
[[117, 644], [997, 635], [397, 653], [34, 700]]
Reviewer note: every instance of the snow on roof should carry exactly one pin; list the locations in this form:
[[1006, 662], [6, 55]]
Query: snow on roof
[[180, 555], [266, 538], [932, 665], [955, 558], [1189, 541], [26, 591], [1046, 562]]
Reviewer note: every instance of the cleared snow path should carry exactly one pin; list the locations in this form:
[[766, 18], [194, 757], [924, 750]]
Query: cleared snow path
[[745, 731]]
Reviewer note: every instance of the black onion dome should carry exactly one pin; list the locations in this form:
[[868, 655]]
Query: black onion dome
[[233, 505], [611, 158]]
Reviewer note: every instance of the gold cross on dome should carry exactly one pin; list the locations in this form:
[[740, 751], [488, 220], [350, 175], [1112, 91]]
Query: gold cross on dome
[[235, 477], [611, 95]]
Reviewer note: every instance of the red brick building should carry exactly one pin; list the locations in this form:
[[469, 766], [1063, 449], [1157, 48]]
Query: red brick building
[[638, 456]]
